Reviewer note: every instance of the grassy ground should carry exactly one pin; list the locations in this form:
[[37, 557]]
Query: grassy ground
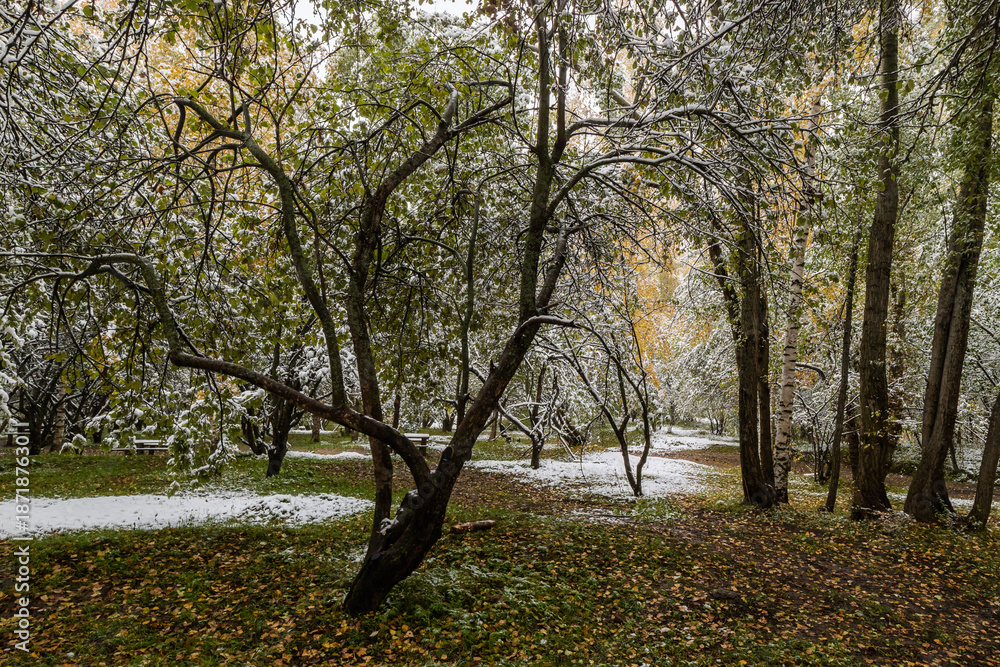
[[690, 581]]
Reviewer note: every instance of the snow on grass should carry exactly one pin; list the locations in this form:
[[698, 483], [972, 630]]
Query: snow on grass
[[603, 473], [313, 455], [151, 512], [899, 499], [681, 439]]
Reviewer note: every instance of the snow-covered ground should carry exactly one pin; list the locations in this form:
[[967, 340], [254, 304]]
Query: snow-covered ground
[[603, 473], [313, 455], [681, 439], [899, 498], [156, 511]]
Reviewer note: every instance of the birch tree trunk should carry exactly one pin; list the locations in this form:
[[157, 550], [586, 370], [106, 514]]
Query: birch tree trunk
[[783, 449]]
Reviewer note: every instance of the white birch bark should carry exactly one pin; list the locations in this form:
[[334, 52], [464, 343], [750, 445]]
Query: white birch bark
[[784, 445]]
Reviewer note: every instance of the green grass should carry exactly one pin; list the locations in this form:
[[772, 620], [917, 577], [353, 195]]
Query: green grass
[[72, 476], [681, 581], [535, 590]]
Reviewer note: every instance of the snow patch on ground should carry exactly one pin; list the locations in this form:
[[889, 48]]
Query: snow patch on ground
[[603, 473], [150, 512], [313, 455], [898, 499], [684, 439]]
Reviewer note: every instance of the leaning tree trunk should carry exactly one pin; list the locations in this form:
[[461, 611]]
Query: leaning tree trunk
[[928, 494], [869, 486], [980, 512], [783, 449], [845, 369]]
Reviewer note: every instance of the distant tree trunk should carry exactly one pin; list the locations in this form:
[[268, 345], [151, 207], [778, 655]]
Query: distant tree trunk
[[928, 494], [462, 391], [783, 448], [59, 423], [447, 421], [953, 453], [980, 513], [252, 436], [537, 433], [845, 371], [281, 423], [317, 424], [869, 485], [35, 432], [496, 425], [537, 443], [397, 403]]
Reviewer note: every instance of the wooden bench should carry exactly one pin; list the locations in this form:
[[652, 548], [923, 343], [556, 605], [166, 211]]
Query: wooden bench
[[144, 447], [15, 429]]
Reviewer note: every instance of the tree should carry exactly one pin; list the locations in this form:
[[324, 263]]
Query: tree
[[928, 496], [876, 446], [783, 441], [267, 143], [747, 311], [845, 368]]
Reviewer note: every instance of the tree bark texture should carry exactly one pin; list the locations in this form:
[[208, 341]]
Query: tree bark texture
[[764, 389], [784, 445], [756, 490], [928, 495], [981, 506], [869, 485]]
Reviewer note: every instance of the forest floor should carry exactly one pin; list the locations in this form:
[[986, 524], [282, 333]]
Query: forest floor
[[728, 457], [562, 579]]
